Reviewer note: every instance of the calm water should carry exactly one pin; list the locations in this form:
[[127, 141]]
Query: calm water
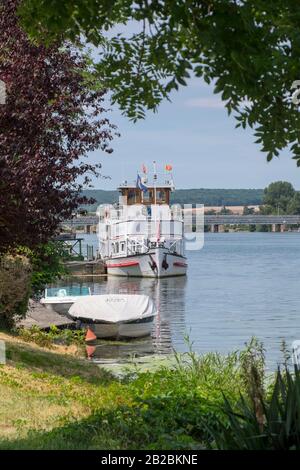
[[238, 285]]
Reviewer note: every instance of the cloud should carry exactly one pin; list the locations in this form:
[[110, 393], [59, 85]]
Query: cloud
[[204, 103]]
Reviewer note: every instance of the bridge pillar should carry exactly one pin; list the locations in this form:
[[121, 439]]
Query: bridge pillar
[[221, 228], [87, 229], [276, 227], [282, 227], [214, 228]]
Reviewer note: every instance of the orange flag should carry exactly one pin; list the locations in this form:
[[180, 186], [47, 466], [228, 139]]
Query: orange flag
[[168, 167]]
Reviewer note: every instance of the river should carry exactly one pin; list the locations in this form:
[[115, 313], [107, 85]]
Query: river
[[238, 286]]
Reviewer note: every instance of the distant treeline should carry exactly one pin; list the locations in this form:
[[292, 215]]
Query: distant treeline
[[218, 197], [209, 197]]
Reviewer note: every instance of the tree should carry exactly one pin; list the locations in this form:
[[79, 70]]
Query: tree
[[248, 210], [277, 196], [294, 204], [248, 49], [225, 211], [51, 119], [210, 212]]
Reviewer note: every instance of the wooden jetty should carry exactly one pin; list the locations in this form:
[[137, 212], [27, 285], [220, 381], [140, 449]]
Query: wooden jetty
[[40, 316], [86, 268]]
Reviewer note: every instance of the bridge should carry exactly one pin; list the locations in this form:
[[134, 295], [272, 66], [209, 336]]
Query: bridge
[[215, 222], [277, 222]]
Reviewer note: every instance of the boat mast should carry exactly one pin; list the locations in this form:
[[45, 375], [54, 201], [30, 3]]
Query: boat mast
[[154, 180], [155, 200]]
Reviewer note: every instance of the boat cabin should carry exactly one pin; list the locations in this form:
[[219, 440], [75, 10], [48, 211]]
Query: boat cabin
[[135, 195]]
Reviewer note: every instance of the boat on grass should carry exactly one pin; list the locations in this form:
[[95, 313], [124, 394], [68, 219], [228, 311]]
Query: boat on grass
[[60, 299], [115, 316]]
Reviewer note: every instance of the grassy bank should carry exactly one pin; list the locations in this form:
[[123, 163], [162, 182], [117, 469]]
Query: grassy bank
[[51, 399], [42, 390]]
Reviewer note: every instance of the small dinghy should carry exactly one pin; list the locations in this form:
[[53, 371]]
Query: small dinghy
[[60, 299], [115, 315]]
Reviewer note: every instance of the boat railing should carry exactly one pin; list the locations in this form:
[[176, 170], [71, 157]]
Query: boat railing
[[142, 229], [143, 219], [148, 236]]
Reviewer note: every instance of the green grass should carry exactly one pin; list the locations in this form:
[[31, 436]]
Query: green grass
[[41, 389], [52, 400]]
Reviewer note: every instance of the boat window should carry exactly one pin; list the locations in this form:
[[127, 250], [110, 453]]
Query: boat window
[[146, 196], [162, 195], [67, 291], [131, 196]]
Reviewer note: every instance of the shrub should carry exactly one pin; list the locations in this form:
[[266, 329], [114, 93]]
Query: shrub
[[53, 336], [173, 407], [15, 276], [47, 264], [261, 420]]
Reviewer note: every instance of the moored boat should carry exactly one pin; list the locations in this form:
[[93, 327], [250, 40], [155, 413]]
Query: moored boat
[[115, 315], [60, 299], [142, 235]]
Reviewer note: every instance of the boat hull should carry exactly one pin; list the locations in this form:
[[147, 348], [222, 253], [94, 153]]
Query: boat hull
[[61, 308], [157, 263], [121, 330]]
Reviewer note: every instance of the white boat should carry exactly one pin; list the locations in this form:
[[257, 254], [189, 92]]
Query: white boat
[[60, 299], [115, 315], [143, 235]]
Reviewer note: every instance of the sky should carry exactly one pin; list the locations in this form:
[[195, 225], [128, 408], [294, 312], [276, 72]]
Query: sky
[[194, 134]]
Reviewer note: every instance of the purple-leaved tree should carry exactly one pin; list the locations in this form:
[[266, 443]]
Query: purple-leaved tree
[[53, 116]]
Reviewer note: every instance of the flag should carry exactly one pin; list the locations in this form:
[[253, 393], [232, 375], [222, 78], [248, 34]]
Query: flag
[[140, 185], [168, 167], [144, 169]]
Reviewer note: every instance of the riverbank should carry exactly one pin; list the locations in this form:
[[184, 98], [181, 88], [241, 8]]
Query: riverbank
[[51, 399], [39, 316]]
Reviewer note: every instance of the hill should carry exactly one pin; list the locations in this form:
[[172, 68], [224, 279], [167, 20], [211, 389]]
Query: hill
[[209, 197], [218, 197]]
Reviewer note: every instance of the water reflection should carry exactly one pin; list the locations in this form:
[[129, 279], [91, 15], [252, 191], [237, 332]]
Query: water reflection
[[107, 352]]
